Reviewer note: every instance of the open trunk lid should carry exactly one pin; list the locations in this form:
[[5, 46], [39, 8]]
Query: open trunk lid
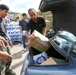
[[64, 13]]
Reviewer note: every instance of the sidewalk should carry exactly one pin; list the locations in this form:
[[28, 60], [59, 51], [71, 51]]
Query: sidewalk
[[18, 58]]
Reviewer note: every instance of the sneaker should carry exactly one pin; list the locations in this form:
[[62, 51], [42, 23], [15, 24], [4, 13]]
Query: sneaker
[[24, 49], [10, 72], [26, 43]]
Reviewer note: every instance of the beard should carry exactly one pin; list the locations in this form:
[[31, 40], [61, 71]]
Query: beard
[[35, 18]]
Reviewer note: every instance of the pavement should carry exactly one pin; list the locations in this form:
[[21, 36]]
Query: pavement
[[18, 58]]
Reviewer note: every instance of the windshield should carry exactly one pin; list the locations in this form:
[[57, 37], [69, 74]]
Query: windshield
[[64, 40], [67, 35]]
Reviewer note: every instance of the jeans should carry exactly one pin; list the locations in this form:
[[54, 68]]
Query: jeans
[[24, 41]]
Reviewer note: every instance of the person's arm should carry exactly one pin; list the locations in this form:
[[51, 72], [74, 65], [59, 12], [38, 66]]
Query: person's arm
[[44, 31], [4, 56], [27, 32], [20, 29], [3, 42], [44, 26], [10, 43], [20, 26]]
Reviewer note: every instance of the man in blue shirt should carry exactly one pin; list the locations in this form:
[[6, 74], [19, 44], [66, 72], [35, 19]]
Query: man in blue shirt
[[22, 24]]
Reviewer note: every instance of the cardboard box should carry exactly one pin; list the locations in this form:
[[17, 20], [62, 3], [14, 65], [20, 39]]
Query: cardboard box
[[39, 42], [49, 61]]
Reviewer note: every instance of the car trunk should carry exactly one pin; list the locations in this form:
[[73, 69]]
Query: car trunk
[[54, 52], [59, 56], [64, 13]]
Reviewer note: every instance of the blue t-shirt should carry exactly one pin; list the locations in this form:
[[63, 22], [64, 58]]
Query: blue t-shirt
[[23, 24]]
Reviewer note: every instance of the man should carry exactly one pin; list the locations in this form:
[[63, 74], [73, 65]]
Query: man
[[4, 46], [35, 23], [22, 24]]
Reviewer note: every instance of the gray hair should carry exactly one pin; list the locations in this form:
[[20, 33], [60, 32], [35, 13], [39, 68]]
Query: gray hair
[[31, 9]]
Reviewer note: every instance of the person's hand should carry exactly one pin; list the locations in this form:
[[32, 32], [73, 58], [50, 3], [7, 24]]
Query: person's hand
[[11, 44], [3, 43], [20, 31], [31, 37], [5, 56]]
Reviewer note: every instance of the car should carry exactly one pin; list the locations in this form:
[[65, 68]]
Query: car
[[63, 43], [63, 50]]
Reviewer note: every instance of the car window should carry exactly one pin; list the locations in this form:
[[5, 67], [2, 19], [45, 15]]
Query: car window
[[64, 40], [62, 43], [67, 35], [74, 49]]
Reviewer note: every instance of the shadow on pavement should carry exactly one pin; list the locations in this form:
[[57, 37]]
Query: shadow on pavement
[[19, 54], [18, 64]]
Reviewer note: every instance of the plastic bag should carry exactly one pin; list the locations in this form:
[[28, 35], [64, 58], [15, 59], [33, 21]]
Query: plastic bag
[[38, 59], [23, 32]]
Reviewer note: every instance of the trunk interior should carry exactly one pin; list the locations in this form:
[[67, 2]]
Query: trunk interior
[[57, 57]]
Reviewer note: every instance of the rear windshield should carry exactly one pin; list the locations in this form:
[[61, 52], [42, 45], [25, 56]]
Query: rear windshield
[[64, 40]]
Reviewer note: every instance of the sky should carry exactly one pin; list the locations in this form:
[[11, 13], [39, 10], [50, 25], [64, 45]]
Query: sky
[[21, 6]]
